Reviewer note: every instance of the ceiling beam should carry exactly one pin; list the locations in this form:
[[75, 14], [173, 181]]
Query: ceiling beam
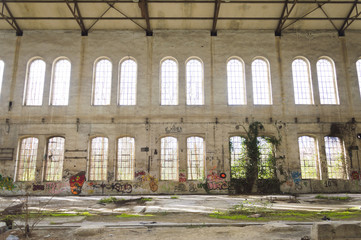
[[284, 16], [349, 19], [143, 5], [77, 15], [324, 12], [10, 19], [217, 6], [189, 1]]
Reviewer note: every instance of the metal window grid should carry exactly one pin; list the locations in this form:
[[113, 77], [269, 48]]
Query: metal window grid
[[237, 151], [194, 73], [169, 159], [308, 157], [327, 82], [265, 168], [35, 83], [55, 159], [236, 84], [1, 73], [169, 82], [98, 159], [27, 159], [128, 82], [358, 67], [334, 157], [261, 83], [61, 83], [125, 158], [102, 82], [302, 82], [195, 158]]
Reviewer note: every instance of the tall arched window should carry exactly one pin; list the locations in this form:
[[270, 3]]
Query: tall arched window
[[327, 84], [1, 73], [98, 159], [302, 81], [102, 82], [308, 157], [194, 75], [169, 158], [128, 82], [34, 85], [169, 82], [358, 67], [195, 158], [61, 82], [235, 82], [27, 159], [237, 151], [262, 93], [266, 163], [55, 159], [335, 157], [125, 158]]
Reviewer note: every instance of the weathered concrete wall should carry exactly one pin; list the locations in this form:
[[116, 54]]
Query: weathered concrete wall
[[180, 121]]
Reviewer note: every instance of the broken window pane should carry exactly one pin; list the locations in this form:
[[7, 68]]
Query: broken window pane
[[27, 159], [261, 82], [126, 158], [35, 83], [128, 82], [235, 82], [194, 71], [335, 157], [169, 82], [327, 82], [61, 82], [102, 82], [98, 159], [55, 159], [308, 157], [169, 159], [195, 158], [302, 82]]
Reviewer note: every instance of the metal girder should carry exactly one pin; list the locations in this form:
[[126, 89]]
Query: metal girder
[[284, 16], [77, 15], [349, 20], [324, 12], [217, 6], [143, 5], [10, 19]]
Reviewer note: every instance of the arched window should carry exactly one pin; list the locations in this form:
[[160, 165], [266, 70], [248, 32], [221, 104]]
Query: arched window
[[27, 159], [98, 159], [358, 67], [262, 94], [61, 82], [235, 82], [1, 73], [125, 158], [308, 157], [128, 82], [55, 159], [302, 81], [169, 159], [195, 158], [327, 81], [194, 72], [335, 157], [34, 85], [102, 82], [266, 165], [237, 151], [169, 82]]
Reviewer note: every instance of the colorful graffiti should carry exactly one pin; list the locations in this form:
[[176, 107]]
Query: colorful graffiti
[[355, 175], [182, 177], [7, 183], [56, 187], [193, 187], [76, 182], [180, 188], [142, 178], [38, 187], [215, 182], [122, 188]]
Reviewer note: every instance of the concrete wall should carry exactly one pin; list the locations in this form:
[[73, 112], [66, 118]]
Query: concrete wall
[[215, 121]]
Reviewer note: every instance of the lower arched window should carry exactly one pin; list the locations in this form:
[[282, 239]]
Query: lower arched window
[[195, 158], [169, 159], [125, 158], [55, 159], [98, 159], [27, 159], [308, 157]]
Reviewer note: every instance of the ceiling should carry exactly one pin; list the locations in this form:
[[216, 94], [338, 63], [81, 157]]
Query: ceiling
[[149, 15]]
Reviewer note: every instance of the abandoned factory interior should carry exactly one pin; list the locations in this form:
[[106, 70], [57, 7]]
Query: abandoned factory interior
[[179, 97]]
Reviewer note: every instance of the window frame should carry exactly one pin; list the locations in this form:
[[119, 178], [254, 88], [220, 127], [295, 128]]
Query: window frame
[[176, 174], [241, 174], [242, 83], [121, 62], [2, 74], [27, 79], [132, 160], [343, 160], [21, 178], [47, 160], [200, 171], [51, 97], [309, 80], [161, 82], [334, 81], [202, 100], [269, 82], [358, 72], [91, 176], [316, 155], [95, 78]]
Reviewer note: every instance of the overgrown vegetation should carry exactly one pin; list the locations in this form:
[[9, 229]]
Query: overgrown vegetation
[[338, 198], [174, 197], [123, 201], [108, 200]]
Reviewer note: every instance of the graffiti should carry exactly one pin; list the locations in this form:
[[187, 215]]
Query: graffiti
[[182, 177], [76, 182], [289, 183], [56, 187], [180, 188], [355, 175], [38, 187], [223, 175], [296, 177], [193, 187], [122, 188], [173, 129], [139, 174], [142, 178], [216, 182], [7, 183], [329, 183]]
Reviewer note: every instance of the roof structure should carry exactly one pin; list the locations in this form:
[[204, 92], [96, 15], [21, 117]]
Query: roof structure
[[149, 15]]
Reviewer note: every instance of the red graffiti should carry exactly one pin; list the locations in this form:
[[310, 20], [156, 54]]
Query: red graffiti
[[76, 182], [216, 182], [355, 175], [182, 177], [139, 173]]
